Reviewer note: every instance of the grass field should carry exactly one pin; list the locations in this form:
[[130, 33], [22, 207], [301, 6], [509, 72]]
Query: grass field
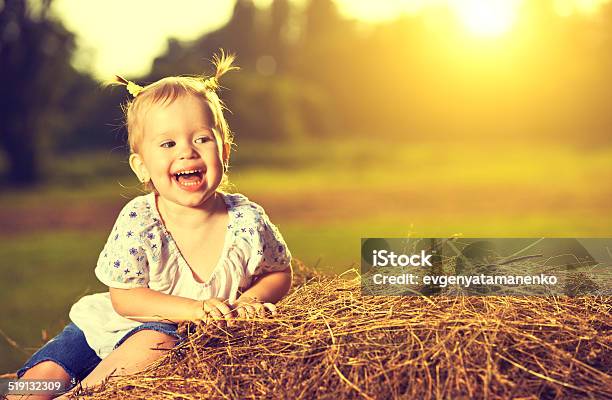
[[323, 196]]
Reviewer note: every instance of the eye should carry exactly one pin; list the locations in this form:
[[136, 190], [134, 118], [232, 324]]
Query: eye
[[203, 139], [167, 144]]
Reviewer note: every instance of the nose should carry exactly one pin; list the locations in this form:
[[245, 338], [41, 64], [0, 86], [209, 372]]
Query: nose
[[187, 151]]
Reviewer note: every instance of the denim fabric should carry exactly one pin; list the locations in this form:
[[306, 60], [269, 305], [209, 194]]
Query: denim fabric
[[70, 350], [163, 327]]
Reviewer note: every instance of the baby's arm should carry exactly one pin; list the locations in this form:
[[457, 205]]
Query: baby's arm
[[270, 267], [144, 304], [269, 288]]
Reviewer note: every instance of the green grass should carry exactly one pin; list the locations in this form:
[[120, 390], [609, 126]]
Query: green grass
[[42, 275], [349, 164], [335, 246]]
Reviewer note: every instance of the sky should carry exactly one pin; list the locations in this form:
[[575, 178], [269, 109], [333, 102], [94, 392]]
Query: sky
[[123, 37]]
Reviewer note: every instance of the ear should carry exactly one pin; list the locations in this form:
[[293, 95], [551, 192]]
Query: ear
[[225, 152], [139, 168]]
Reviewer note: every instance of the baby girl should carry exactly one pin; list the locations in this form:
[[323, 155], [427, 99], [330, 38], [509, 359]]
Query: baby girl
[[186, 251]]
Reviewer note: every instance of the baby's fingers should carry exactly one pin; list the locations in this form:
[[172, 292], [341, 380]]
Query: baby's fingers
[[214, 314], [212, 311], [240, 310], [260, 310], [263, 307], [246, 311], [226, 312], [271, 308], [252, 310]]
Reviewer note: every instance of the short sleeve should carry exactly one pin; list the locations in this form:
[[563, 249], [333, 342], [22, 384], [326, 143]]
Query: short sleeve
[[270, 252], [123, 261]]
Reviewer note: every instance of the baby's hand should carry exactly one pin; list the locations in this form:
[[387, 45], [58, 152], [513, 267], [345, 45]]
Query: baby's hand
[[250, 308], [214, 309]]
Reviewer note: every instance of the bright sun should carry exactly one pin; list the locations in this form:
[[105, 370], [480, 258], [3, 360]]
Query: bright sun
[[486, 18]]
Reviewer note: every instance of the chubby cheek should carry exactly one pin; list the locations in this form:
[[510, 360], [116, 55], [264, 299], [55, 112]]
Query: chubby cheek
[[217, 165], [159, 172], [214, 173], [166, 177], [214, 160]]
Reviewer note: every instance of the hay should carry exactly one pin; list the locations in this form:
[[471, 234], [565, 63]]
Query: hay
[[329, 342]]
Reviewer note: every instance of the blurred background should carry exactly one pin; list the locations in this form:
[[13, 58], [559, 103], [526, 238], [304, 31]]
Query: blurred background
[[352, 119]]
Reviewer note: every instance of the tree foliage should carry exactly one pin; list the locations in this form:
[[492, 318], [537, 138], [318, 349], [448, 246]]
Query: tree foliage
[[35, 53]]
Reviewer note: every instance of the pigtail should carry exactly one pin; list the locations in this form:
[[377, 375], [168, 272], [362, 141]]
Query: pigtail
[[223, 64], [133, 88], [119, 80]]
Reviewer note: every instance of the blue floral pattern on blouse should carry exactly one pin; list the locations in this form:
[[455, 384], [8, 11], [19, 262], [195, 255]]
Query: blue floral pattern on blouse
[[138, 239]]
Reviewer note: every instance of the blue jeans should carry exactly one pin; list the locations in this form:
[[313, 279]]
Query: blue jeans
[[70, 350]]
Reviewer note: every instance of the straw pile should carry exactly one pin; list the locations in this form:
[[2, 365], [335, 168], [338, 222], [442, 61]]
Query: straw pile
[[329, 342]]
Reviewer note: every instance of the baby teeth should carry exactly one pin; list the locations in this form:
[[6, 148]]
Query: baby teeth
[[191, 171]]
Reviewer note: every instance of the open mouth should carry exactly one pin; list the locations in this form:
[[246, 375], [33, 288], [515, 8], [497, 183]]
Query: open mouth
[[189, 178]]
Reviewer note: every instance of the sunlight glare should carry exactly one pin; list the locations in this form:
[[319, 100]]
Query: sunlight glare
[[486, 18], [566, 8], [124, 37]]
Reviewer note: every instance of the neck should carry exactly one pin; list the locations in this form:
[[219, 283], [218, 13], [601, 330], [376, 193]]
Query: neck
[[181, 217]]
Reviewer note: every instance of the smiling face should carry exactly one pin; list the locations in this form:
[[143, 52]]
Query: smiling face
[[180, 152]]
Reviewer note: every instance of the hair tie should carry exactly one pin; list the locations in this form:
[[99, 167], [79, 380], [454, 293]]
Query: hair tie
[[133, 88], [223, 64], [211, 84]]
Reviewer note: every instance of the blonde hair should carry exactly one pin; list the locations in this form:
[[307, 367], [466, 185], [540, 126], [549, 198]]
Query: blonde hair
[[166, 90]]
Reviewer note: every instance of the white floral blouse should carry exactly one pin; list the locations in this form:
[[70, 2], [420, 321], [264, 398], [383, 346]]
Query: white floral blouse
[[140, 252]]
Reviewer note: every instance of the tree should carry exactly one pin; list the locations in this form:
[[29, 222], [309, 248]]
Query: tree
[[35, 53]]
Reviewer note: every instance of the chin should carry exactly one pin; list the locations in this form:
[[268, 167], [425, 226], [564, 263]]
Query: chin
[[191, 199]]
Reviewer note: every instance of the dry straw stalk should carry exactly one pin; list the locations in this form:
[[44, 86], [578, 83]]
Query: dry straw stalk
[[329, 342]]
